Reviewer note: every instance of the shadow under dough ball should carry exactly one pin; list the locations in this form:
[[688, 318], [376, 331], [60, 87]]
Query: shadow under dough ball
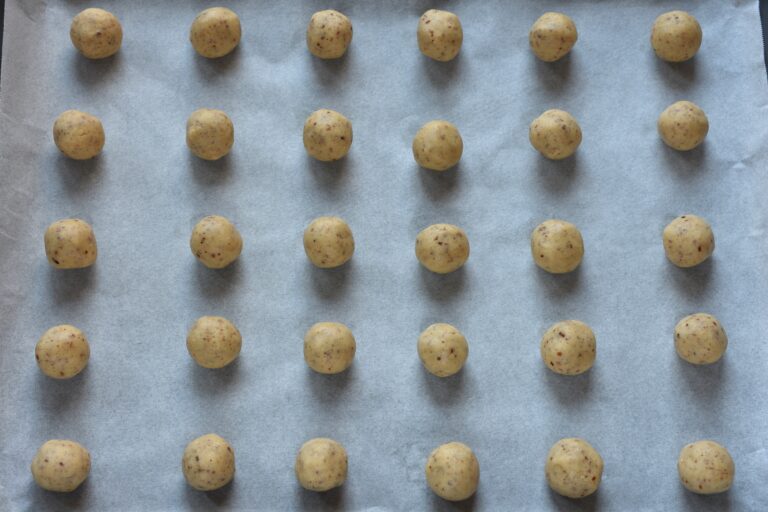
[[557, 246], [328, 34], [442, 248], [552, 36], [215, 241], [683, 125], [327, 135], [329, 347], [437, 146], [214, 342], [328, 242], [79, 135], [555, 134], [453, 471], [210, 133], [70, 243], [439, 35], [96, 33], [573, 468], [321, 464], [688, 241], [700, 339], [61, 465], [676, 36], [569, 347], [705, 467], [215, 32], [208, 463], [62, 352], [443, 350]]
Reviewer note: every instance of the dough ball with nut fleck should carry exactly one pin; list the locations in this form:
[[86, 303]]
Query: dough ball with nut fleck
[[705, 467], [215, 241], [210, 133], [442, 248], [437, 146], [70, 243], [688, 241], [700, 339], [321, 464], [573, 468], [453, 471], [329, 34], [557, 246], [61, 465], [327, 135], [215, 32], [62, 352], [440, 35], [568, 347], [555, 134], [552, 36], [443, 350], [328, 242], [683, 125], [79, 135], [96, 33], [208, 462], [676, 36], [329, 347], [214, 342]]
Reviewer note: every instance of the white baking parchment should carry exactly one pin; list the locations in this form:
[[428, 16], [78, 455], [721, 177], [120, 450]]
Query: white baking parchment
[[142, 398]]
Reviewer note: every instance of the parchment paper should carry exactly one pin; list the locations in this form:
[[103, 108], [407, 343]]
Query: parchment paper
[[142, 398]]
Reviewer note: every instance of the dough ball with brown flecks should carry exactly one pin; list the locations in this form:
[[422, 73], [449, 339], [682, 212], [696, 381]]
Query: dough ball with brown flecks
[[443, 350], [215, 32], [215, 241], [62, 352], [452, 471], [705, 467], [321, 464], [214, 342], [573, 468], [557, 246], [442, 248], [328, 242], [329, 347], [327, 135], [328, 34], [208, 462], [555, 134], [79, 135], [568, 347], [210, 133], [440, 35], [61, 465], [437, 146], [700, 339], [688, 241], [70, 243], [683, 125], [552, 36], [96, 33], [676, 36]]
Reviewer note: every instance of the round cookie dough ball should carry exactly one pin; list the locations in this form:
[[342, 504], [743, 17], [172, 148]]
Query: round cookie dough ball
[[328, 242], [700, 339], [555, 134], [60, 465], [453, 471], [573, 468], [676, 36], [321, 464], [557, 246], [443, 350], [568, 347], [683, 125], [442, 248], [688, 241], [62, 352], [215, 32], [329, 34], [79, 135], [215, 241], [70, 243], [214, 342], [96, 33], [552, 36], [329, 347], [440, 35], [437, 146], [208, 462], [210, 133], [705, 467], [327, 135]]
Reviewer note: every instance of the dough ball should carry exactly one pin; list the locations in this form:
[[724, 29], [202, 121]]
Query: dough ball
[[442, 248], [79, 135], [327, 135], [705, 467], [555, 134], [688, 241], [683, 125], [568, 347], [321, 464], [61, 465], [96, 33], [437, 146], [329, 347], [328, 242], [215, 32], [453, 471], [676, 36], [700, 339], [552, 36], [443, 349], [573, 468], [214, 342], [208, 462], [70, 243], [215, 241], [210, 133], [440, 35], [329, 34], [557, 246], [62, 352]]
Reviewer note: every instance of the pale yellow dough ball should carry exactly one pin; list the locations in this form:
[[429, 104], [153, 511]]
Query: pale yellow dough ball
[[208, 462], [70, 243], [453, 471], [437, 146], [215, 241], [321, 464], [439, 35], [700, 339], [329, 34], [573, 468], [62, 352], [327, 135], [328, 242], [79, 135], [557, 246], [688, 241], [555, 134], [568, 347], [552, 36], [96, 33], [215, 32], [676, 36], [210, 133], [443, 350], [705, 467], [442, 248], [329, 347], [683, 125], [214, 342], [61, 465]]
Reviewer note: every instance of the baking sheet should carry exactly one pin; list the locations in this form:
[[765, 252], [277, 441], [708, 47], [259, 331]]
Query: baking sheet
[[142, 398]]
